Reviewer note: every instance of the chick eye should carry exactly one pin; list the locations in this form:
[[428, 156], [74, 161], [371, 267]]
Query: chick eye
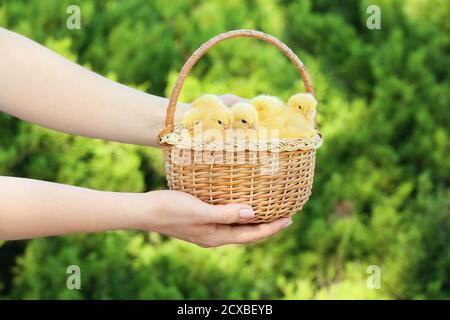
[[244, 121], [219, 122], [300, 107]]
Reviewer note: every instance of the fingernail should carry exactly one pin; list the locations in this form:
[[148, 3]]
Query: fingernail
[[246, 213], [287, 223]]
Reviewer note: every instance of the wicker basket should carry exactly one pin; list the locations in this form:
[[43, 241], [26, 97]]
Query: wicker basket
[[275, 177]]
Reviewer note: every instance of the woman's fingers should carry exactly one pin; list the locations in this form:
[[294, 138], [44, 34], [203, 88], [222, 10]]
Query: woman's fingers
[[254, 233], [214, 225], [226, 234], [227, 214]]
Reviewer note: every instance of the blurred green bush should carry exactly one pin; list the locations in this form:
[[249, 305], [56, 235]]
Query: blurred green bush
[[381, 193]]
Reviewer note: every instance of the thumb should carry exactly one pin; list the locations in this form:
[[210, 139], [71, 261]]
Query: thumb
[[229, 213]]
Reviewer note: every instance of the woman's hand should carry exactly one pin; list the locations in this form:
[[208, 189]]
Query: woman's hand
[[47, 97], [32, 208], [185, 217]]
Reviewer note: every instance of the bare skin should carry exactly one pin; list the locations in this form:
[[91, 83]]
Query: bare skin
[[41, 87]]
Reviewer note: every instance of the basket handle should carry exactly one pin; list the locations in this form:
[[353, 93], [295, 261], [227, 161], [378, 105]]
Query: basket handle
[[212, 42]]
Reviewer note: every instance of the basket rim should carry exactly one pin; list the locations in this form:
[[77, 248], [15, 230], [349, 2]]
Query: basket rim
[[177, 139]]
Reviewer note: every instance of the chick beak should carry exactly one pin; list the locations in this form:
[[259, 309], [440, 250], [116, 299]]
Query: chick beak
[[228, 126], [253, 127]]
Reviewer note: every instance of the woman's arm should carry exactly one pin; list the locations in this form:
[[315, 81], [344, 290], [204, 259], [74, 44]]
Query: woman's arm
[[41, 87], [31, 208]]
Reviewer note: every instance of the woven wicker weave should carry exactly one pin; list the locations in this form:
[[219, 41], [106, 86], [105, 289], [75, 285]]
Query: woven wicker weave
[[274, 177]]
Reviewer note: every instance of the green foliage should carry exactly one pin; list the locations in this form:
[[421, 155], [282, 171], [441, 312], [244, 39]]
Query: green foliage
[[381, 193]]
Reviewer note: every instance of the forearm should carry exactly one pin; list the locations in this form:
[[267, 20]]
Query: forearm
[[42, 87], [31, 208]]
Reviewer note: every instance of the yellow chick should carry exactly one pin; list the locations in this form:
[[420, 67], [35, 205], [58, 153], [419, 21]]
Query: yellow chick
[[296, 126], [245, 116], [304, 103], [208, 101], [280, 121], [245, 120], [267, 107], [271, 112], [209, 116]]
